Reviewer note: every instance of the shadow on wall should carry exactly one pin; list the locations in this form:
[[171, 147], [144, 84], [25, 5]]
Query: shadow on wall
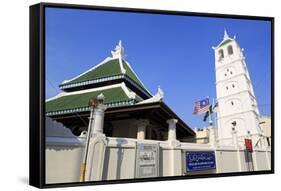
[[120, 156]]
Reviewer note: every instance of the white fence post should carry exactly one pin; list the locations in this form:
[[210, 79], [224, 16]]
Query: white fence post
[[175, 151], [97, 145]]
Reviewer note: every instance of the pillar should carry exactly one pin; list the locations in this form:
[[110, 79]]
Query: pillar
[[98, 116], [172, 129], [175, 167], [141, 125], [96, 142]]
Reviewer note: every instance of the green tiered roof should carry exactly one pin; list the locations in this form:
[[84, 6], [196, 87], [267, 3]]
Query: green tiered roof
[[108, 69], [117, 74], [71, 103]]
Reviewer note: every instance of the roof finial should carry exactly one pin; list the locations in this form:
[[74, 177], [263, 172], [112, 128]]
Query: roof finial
[[160, 93], [225, 34], [120, 43], [118, 51]]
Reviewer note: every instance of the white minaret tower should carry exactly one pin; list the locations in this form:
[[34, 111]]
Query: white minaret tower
[[237, 105]]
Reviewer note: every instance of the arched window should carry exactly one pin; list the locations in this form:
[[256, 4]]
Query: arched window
[[221, 55], [230, 50]]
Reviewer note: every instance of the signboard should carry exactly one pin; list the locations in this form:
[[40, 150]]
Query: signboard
[[147, 160], [200, 161], [248, 145]]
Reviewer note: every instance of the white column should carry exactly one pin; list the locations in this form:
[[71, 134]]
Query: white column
[[141, 125], [98, 118], [97, 142], [175, 150], [172, 129]]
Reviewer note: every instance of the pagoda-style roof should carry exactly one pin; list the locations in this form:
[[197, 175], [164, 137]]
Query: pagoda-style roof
[[110, 71], [72, 102], [123, 91]]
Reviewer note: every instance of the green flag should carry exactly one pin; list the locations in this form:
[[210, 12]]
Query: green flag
[[210, 111]]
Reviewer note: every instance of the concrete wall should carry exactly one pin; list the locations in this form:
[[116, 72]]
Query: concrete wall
[[119, 162], [63, 163], [63, 160]]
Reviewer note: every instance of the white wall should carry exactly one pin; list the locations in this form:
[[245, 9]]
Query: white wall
[[63, 161], [119, 162]]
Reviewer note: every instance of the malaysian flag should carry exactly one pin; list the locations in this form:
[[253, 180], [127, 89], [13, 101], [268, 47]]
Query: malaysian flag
[[201, 106]]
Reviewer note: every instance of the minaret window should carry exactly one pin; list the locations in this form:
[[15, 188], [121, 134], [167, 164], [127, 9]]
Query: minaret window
[[221, 55], [229, 50], [233, 85], [227, 87], [232, 103]]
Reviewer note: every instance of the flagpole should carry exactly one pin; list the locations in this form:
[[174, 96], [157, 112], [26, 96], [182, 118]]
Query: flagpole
[[215, 113], [215, 119], [210, 116]]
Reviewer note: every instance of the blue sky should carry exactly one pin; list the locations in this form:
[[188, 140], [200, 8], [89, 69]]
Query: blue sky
[[174, 52]]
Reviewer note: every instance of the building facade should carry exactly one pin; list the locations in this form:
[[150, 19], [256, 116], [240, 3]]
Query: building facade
[[237, 105], [132, 111], [105, 125]]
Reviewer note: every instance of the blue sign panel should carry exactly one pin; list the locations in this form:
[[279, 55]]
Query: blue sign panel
[[199, 161]]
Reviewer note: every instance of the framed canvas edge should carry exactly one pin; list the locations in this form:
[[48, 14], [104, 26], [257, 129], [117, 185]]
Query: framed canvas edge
[[37, 93]]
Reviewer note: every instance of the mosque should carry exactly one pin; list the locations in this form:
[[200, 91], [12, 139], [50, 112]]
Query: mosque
[[126, 115]]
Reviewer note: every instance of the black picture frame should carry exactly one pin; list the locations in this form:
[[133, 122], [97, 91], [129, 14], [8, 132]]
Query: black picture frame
[[37, 93]]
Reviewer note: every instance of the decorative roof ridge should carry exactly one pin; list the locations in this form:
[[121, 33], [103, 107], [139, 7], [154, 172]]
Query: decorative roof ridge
[[92, 68], [127, 91], [87, 108], [86, 91], [93, 81], [158, 97], [136, 76], [118, 52], [61, 94], [109, 78]]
